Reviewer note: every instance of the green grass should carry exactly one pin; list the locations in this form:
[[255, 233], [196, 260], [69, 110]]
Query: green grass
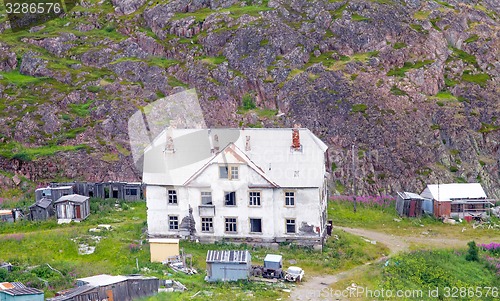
[[18, 79], [47, 242], [398, 92], [356, 17], [15, 150], [418, 28], [81, 110], [479, 78], [421, 15], [472, 38], [360, 107], [488, 128], [399, 45], [464, 56], [408, 66]]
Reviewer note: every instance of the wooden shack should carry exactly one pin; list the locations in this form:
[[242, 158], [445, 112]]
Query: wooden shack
[[121, 288], [228, 265], [72, 207], [42, 210], [410, 204], [53, 193]]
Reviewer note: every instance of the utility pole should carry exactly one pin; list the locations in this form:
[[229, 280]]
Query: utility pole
[[353, 177]]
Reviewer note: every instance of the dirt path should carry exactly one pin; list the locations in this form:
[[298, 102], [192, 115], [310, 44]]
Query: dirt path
[[315, 288]]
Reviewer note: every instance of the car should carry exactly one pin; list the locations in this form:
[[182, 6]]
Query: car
[[294, 274]]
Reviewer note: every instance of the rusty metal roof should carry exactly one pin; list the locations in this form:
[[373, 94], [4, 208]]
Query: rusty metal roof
[[73, 292], [228, 256]]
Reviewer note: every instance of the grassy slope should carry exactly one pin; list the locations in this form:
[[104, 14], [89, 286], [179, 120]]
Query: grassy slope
[[47, 242]]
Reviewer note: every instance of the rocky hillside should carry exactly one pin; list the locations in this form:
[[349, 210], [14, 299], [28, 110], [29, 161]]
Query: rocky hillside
[[414, 84]]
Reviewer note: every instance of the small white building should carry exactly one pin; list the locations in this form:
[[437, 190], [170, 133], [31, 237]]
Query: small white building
[[250, 185], [73, 207]]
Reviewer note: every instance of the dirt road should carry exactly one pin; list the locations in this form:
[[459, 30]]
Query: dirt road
[[315, 288]]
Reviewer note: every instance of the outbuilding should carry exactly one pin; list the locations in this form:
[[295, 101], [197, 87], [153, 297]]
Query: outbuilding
[[163, 248], [228, 265], [412, 205], [72, 207], [42, 210], [16, 291]]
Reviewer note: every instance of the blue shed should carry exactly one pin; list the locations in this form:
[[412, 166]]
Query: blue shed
[[21, 294], [228, 265]]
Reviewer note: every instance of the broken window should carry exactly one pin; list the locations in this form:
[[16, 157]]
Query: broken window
[[289, 198], [290, 226], [230, 198], [172, 197], [206, 198], [173, 222], [254, 198], [207, 224], [256, 225], [231, 224], [223, 172], [131, 191]]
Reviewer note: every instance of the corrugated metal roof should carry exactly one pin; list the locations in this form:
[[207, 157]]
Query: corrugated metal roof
[[44, 203], [102, 280], [70, 293], [410, 195], [6, 286], [454, 191], [228, 256], [269, 149], [23, 291], [273, 258], [72, 198], [18, 285]]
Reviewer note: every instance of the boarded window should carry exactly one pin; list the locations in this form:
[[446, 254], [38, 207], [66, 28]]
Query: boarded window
[[173, 222], [207, 224], [206, 198], [231, 225], [290, 226], [230, 198], [256, 225], [289, 198], [254, 198], [172, 197]]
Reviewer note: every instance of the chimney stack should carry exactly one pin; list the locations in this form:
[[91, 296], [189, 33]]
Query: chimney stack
[[296, 137]]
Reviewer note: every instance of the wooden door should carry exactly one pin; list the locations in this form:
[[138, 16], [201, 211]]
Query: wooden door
[[78, 212], [109, 294]]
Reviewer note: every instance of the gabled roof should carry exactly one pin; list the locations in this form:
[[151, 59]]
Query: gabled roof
[[410, 195], [226, 256], [240, 156], [454, 191], [102, 280], [72, 198], [268, 149], [22, 291], [43, 203]]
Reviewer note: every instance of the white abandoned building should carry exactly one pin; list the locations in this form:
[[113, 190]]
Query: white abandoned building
[[253, 185]]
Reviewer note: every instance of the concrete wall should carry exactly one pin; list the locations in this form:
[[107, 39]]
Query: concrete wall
[[310, 208]]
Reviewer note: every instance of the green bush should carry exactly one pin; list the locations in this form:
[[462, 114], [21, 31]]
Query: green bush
[[248, 102], [472, 253]]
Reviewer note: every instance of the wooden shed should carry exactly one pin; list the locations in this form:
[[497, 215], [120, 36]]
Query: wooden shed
[[72, 207], [121, 288], [163, 248], [81, 293], [228, 265], [53, 193], [410, 204], [42, 210]]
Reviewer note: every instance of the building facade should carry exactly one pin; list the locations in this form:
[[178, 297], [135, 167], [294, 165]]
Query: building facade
[[252, 185]]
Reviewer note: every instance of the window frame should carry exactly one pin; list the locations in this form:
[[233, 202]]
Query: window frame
[[235, 223], [170, 222], [211, 228], [250, 198], [229, 172], [250, 228], [172, 201], [288, 197], [234, 200], [294, 225], [211, 199]]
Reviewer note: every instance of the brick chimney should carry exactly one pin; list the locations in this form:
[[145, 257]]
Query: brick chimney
[[296, 137]]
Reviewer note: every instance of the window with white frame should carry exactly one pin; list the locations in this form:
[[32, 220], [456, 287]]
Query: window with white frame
[[289, 198], [256, 225], [235, 173], [290, 226], [230, 198], [206, 198], [173, 222], [231, 225], [207, 224], [172, 197], [254, 198]]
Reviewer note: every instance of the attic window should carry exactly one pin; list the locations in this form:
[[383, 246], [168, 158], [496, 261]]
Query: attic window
[[229, 172]]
